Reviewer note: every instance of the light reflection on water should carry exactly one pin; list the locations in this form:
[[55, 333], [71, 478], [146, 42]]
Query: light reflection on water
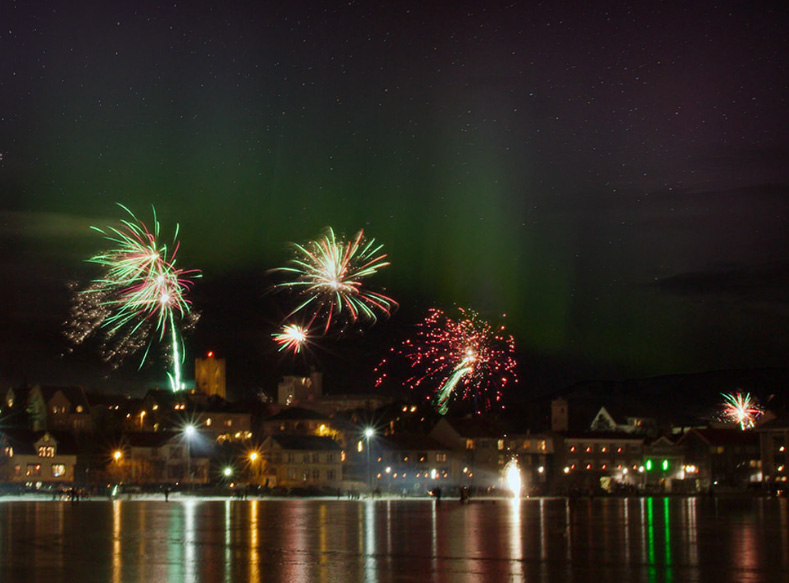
[[537, 540]]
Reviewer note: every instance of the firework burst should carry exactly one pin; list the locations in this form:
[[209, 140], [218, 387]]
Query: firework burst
[[329, 275], [292, 337], [740, 409], [458, 359], [139, 299]]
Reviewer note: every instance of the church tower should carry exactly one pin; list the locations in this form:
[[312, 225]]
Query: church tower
[[210, 376]]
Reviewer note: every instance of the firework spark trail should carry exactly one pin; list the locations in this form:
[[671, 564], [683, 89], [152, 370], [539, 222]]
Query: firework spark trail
[[330, 273], [442, 404], [740, 409], [457, 359], [293, 337], [141, 294]]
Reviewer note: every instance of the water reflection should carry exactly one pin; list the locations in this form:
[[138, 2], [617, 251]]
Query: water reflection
[[116, 541], [369, 546], [254, 543], [536, 540]]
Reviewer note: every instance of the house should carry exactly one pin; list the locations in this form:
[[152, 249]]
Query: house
[[224, 421], [112, 413], [347, 403], [295, 390], [59, 408], [38, 457], [300, 421], [588, 461], [665, 469], [413, 463], [608, 419], [773, 440], [161, 458], [534, 452], [299, 462], [164, 410], [479, 443], [728, 458]]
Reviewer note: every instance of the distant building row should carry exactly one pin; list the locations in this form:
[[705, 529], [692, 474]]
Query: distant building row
[[63, 436]]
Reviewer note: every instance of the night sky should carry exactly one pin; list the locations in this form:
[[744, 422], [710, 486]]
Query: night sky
[[613, 178]]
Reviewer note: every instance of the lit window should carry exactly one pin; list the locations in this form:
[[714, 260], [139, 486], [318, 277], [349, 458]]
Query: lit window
[[46, 451], [58, 470], [500, 444], [208, 422]]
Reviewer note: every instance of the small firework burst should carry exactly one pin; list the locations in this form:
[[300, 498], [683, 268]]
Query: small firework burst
[[740, 409], [330, 275], [139, 298], [292, 338], [463, 358]]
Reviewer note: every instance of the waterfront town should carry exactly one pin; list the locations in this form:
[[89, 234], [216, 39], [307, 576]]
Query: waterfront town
[[302, 442]]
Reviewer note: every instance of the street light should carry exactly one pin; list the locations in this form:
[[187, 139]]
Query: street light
[[189, 431], [117, 456], [368, 433], [253, 458]]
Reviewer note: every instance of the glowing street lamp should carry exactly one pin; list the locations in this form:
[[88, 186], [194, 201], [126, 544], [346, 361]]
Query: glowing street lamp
[[254, 456], [117, 455], [369, 432], [189, 432]]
